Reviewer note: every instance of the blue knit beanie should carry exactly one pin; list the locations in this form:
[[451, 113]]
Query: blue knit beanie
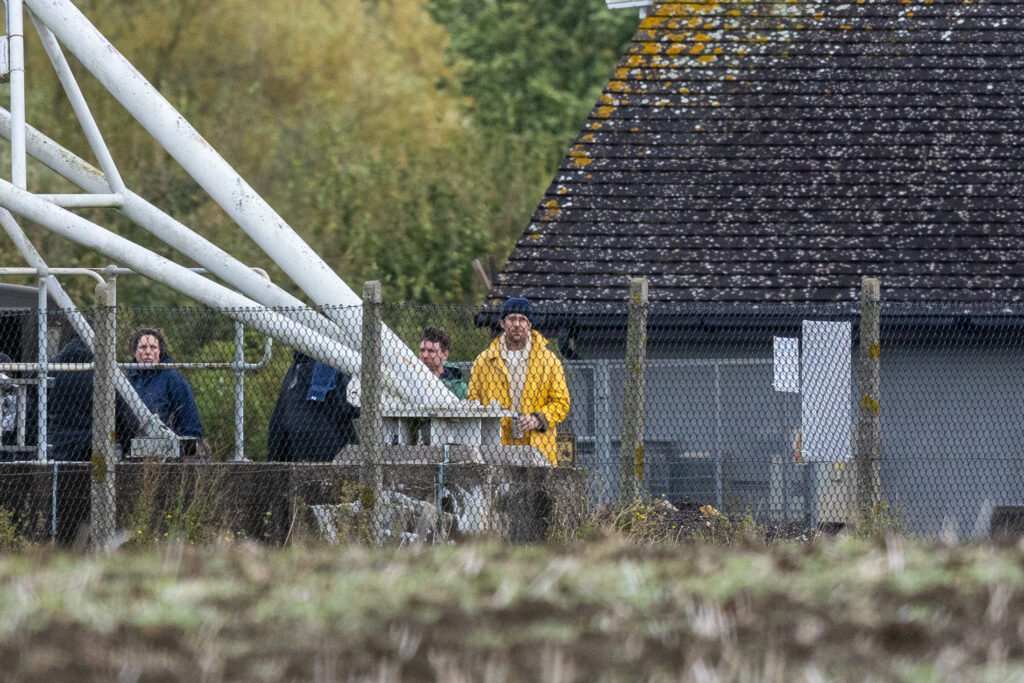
[[517, 304]]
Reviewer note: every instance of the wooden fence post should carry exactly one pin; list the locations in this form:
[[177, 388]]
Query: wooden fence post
[[869, 439], [102, 491], [633, 406], [370, 416]]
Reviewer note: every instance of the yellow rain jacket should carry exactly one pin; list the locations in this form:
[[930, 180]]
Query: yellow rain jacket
[[545, 393]]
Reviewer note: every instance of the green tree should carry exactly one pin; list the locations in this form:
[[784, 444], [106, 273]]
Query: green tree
[[533, 66]]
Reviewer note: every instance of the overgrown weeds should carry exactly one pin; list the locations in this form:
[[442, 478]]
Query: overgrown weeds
[[882, 519], [11, 537], [659, 521], [193, 508]]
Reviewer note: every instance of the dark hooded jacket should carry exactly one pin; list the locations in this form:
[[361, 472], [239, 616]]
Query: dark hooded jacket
[[312, 421], [169, 395], [69, 408]]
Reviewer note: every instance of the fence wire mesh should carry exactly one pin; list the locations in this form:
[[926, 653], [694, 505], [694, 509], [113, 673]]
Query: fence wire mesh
[[753, 417]]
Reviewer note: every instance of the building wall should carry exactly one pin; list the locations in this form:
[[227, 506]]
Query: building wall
[[952, 430], [953, 435]]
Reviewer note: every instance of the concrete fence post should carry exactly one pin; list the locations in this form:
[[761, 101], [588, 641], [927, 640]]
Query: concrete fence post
[[633, 406], [869, 439], [370, 417], [102, 500]]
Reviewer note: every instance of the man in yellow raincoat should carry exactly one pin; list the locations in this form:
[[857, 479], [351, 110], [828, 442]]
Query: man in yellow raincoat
[[519, 371]]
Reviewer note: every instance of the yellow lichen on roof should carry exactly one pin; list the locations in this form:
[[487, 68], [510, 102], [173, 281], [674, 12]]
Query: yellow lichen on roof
[[580, 157], [551, 214], [618, 86], [674, 9]]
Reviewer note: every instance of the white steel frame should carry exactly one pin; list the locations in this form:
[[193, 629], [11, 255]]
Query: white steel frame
[[333, 337]]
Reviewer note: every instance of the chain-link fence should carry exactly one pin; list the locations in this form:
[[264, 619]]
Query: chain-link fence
[[790, 418]]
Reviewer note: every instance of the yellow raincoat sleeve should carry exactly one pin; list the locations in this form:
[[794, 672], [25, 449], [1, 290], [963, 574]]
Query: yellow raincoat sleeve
[[556, 406]]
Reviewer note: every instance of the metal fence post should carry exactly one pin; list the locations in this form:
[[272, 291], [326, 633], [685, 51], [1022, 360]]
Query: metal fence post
[[239, 391], [633, 407], [370, 418], [42, 389], [869, 440], [102, 500]]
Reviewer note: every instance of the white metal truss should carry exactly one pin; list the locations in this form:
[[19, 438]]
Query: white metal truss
[[334, 339]]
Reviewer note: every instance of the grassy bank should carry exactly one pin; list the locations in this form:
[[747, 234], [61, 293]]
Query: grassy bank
[[596, 611]]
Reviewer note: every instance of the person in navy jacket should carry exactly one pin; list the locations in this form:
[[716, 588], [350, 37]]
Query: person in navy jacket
[[164, 391]]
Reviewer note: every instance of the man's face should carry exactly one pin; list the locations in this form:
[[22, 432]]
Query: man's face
[[517, 328], [432, 356], [147, 350]]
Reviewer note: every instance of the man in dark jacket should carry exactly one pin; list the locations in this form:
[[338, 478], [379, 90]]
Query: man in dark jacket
[[69, 408], [164, 391], [312, 421]]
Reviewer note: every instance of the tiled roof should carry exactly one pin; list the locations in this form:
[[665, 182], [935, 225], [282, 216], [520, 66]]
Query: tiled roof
[[779, 150]]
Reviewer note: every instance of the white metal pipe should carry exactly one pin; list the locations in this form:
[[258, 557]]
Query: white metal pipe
[[50, 367], [41, 388], [5, 270], [84, 201], [16, 41], [57, 158], [21, 410], [162, 270], [277, 239], [172, 232], [79, 105]]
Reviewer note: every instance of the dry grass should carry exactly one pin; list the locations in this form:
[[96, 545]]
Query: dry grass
[[607, 610]]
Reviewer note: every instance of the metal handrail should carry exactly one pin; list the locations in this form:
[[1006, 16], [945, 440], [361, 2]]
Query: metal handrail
[[43, 366]]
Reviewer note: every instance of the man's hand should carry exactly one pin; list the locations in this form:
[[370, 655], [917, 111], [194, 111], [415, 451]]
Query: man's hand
[[527, 423]]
